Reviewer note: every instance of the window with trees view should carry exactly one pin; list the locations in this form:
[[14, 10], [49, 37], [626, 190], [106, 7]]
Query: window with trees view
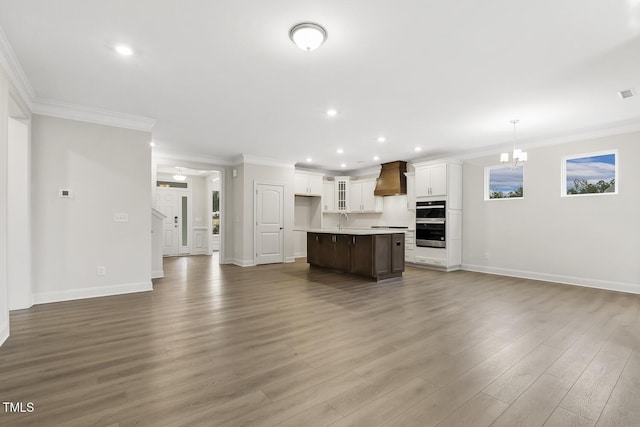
[[504, 183], [589, 174]]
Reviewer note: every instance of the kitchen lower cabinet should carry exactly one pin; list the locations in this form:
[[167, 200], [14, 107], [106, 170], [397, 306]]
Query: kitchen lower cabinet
[[379, 256]]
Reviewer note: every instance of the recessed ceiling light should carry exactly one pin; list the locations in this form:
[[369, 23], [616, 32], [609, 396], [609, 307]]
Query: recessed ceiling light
[[381, 139], [418, 148], [124, 50], [307, 35], [339, 151], [343, 165], [309, 159], [152, 144], [331, 112], [628, 93], [376, 158]]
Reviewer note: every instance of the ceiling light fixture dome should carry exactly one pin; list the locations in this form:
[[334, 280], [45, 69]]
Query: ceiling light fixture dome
[[307, 35], [124, 50]]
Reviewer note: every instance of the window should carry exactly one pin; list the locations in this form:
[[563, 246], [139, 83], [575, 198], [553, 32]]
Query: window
[[172, 184], [590, 174], [215, 213], [503, 182]]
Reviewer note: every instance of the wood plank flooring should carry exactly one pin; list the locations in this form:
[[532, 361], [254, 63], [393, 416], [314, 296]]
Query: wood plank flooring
[[287, 345]]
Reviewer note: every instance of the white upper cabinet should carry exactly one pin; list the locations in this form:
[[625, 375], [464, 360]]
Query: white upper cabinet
[[431, 180], [329, 196], [308, 184], [342, 193], [361, 197], [442, 179]]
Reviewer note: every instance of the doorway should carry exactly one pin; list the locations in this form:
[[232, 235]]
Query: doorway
[[174, 203], [193, 201]]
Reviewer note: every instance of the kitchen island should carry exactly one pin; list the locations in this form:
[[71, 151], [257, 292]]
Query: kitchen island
[[374, 253]]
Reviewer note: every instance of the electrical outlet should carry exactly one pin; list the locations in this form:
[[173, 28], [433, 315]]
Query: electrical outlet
[[102, 270], [486, 255]]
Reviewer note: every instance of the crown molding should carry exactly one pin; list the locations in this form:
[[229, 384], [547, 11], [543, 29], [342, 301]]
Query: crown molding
[[14, 70], [202, 160], [576, 135], [63, 110], [249, 159]]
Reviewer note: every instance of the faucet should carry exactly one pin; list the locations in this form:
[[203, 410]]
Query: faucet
[[340, 218]]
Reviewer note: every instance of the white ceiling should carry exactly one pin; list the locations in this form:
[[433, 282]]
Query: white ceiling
[[222, 78]]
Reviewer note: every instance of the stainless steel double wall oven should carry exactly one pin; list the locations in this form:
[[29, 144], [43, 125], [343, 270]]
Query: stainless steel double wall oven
[[430, 224]]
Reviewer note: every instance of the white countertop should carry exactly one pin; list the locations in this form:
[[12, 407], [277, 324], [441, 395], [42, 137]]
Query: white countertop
[[356, 231]]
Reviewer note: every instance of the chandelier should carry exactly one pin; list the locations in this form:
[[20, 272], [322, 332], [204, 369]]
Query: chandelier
[[518, 156]]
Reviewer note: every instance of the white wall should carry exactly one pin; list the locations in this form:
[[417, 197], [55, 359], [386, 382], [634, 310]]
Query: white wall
[[4, 306], [238, 216], [590, 240], [108, 170], [19, 215], [395, 212]]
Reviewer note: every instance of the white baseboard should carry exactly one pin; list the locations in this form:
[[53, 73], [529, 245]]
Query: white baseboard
[[243, 262], [632, 288], [4, 332], [293, 258], [82, 293], [157, 274]]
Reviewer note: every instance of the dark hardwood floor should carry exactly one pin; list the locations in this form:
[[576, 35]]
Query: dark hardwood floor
[[289, 346]]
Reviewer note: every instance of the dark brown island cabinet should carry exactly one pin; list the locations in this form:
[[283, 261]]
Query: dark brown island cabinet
[[377, 255]]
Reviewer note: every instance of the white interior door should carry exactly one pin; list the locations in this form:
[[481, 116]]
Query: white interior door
[[269, 241]]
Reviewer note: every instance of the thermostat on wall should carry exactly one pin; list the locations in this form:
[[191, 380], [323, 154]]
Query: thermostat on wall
[[65, 193]]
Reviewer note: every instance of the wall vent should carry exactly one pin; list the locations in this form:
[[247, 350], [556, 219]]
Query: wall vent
[[624, 94]]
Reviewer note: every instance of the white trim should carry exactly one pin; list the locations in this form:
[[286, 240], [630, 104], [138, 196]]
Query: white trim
[[243, 263], [292, 258], [100, 291], [577, 135], [14, 70], [157, 213], [199, 228], [422, 163], [64, 110], [308, 172], [157, 274], [160, 156], [263, 161], [633, 288], [4, 332]]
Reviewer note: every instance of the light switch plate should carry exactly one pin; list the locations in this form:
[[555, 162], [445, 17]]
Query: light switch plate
[[120, 217]]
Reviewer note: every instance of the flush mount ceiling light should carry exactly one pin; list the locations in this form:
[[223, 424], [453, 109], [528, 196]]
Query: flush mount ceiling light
[[331, 112], [307, 35], [339, 151], [343, 165], [418, 149], [376, 158], [179, 176], [124, 50], [309, 159], [381, 139], [519, 156]]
